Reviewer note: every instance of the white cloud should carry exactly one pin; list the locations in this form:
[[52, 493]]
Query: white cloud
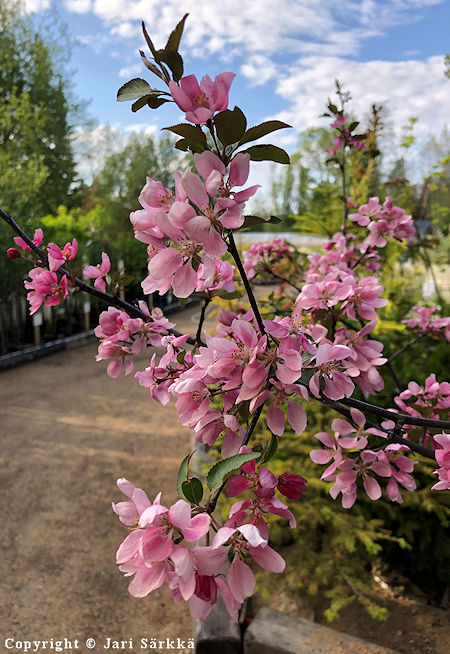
[[36, 5], [130, 71], [404, 88], [261, 26], [78, 6], [259, 69], [93, 146]]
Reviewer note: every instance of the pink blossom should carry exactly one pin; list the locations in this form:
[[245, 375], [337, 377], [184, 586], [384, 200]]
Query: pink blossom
[[201, 101], [442, 454], [37, 240], [56, 256], [45, 288], [99, 272]]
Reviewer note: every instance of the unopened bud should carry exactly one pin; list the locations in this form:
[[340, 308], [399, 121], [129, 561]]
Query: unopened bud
[[13, 253]]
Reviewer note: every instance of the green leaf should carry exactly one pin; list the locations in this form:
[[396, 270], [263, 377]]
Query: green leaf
[[173, 42], [270, 450], [135, 88], [183, 473], [221, 469], [173, 60], [148, 39], [353, 125], [262, 130], [186, 144], [151, 66], [189, 132], [156, 101], [230, 125], [229, 295], [268, 153], [250, 221], [193, 490], [141, 102]]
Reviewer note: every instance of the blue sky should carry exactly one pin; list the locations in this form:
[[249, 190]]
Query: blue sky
[[286, 54]]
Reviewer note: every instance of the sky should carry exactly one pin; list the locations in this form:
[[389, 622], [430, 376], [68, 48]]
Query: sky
[[286, 54]]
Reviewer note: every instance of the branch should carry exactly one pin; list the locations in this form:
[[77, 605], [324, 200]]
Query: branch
[[210, 507], [131, 309], [391, 436], [405, 347], [198, 336], [235, 254]]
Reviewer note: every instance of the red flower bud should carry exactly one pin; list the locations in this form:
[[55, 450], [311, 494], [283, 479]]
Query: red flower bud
[[291, 486], [13, 253]]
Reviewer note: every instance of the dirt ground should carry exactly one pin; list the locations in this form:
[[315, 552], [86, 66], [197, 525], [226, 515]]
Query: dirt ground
[[68, 432]]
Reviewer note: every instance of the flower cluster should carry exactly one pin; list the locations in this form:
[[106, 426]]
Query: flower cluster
[[442, 454], [163, 547], [425, 323], [186, 230], [121, 336], [266, 255], [345, 469], [383, 221]]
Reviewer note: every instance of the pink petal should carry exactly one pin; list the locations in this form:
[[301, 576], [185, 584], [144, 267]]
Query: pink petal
[[147, 579], [241, 580], [195, 190], [198, 527], [372, 488], [275, 420], [268, 558], [296, 417], [129, 547], [184, 281], [180, 514]]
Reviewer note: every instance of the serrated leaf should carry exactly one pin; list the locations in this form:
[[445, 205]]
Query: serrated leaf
[[221, 469], [148, 39], [135, 88], [189, 132], [183, 472], [193, 490], [230, 125], [270, 450], [173, 60], [140, 103], [261, 130], [268, 153], [173, 42], [156, 101]]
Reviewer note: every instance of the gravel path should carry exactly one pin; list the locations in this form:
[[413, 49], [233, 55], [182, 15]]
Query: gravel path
[[68, 432]]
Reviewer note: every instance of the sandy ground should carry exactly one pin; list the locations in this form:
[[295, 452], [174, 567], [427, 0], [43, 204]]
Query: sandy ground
[[68, 432]]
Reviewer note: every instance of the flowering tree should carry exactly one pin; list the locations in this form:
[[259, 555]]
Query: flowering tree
[[318, 346]]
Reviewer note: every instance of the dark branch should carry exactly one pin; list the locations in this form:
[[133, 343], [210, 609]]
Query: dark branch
[[131, 309]]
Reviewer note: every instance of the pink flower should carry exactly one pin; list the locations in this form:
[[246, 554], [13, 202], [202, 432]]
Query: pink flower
[[37, 240], [201, 101], [442, 454], [56, 256], [45, 287], [337, 383], [99, 272]]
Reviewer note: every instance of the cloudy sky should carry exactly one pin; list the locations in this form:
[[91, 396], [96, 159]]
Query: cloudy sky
[[286, 54]]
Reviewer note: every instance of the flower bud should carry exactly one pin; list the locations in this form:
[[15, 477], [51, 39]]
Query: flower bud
[[13, 253]]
